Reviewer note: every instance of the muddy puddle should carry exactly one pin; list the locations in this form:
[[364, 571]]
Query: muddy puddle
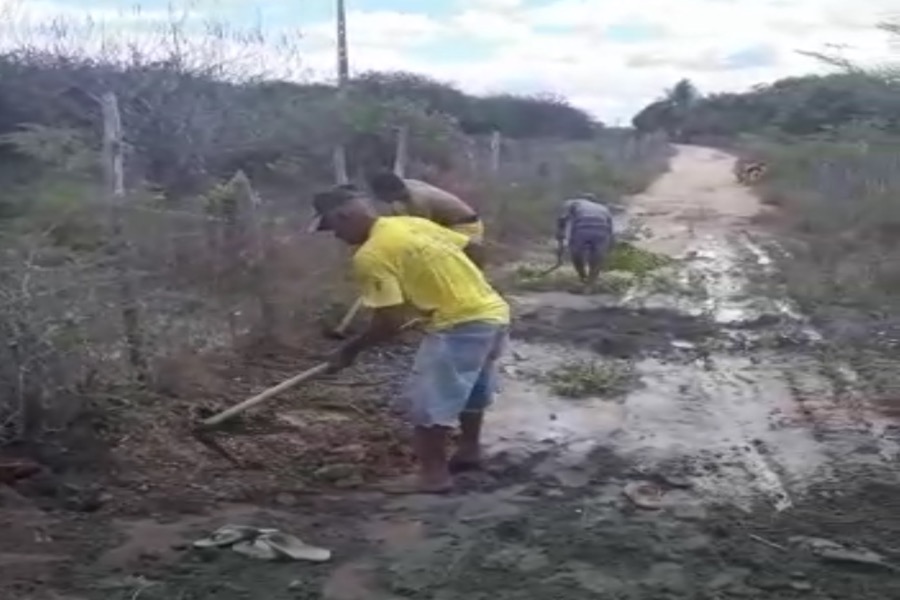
[[528, 417]]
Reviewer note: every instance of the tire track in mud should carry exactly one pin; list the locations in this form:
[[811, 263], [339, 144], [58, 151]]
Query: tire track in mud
[[737, 393]]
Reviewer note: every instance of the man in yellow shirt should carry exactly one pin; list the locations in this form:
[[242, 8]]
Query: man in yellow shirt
[[413, 261]]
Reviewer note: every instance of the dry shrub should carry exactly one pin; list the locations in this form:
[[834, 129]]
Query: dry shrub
[[521, 203], [201, 285], [839, 200]]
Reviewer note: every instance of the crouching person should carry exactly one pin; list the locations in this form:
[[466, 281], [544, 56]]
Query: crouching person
[[586, 226]]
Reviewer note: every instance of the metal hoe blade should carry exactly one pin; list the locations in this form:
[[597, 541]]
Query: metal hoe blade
[[204, 435]]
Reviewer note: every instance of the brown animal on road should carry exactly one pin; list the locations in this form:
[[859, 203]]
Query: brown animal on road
[[751, 172]]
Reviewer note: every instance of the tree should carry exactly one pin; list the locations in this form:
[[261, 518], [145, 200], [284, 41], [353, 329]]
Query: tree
[[512, 115], [656, 116], [683, 95], [669, 114], [796, 105]]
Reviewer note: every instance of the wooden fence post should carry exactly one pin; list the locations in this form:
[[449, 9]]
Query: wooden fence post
[[496, 142], [114, 172], [401, 158], [259, 234], [340, 165], [470, 150]]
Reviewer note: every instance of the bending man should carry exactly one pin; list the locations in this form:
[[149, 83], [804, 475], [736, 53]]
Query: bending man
[[587, 226], [410, 260], [419, 199]]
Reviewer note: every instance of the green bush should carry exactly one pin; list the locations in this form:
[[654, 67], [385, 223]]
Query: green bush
[[838, 197]]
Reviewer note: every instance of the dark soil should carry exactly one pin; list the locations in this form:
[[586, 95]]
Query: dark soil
[[616, 331], [537, 540]]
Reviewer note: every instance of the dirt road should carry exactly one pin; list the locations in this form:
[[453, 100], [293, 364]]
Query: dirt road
[[772, 476], [735, 386]]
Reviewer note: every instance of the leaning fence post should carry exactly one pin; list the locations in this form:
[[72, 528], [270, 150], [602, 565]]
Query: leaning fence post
[[259, 237], [114, 172]]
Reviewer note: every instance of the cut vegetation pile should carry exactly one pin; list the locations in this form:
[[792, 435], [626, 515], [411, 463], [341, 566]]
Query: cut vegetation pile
[[625, 266], [629, 258]]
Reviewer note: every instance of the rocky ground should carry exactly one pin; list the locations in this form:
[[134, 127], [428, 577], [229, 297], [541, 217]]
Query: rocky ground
[[745, 459]]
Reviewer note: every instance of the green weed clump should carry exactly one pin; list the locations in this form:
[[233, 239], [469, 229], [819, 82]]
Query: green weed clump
[[627, 257], [535, 278], [591, 378], [531, 278], [625, 265]]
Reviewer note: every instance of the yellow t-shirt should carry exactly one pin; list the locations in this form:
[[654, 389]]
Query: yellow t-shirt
[[410, 259], [474, 230]]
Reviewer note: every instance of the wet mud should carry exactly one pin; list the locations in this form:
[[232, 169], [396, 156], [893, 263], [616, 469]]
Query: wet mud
[[617, 331]]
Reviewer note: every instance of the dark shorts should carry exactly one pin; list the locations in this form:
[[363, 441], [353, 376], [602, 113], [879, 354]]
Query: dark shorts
[[591, 245]]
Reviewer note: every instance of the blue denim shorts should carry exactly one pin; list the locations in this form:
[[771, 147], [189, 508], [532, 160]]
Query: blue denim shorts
[[454, 371]]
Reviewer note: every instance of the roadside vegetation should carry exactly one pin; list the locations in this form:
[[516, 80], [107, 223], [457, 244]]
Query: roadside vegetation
[[117, 301], [832, 147]]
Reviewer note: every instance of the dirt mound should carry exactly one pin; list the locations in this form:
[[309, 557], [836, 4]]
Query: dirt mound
[[334, 433]]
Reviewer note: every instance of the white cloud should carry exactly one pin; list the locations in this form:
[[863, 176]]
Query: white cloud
[[381, 29], [566, 46], [500, 21]]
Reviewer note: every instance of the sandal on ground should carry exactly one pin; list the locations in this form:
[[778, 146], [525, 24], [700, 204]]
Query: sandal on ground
[[227, 535], [293, 547]]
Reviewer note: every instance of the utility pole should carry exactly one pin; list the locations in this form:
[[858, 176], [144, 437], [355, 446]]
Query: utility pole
[[340, 154], [343, 68], [343, 64]]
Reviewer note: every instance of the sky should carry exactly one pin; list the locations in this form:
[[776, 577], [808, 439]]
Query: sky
[[609, 57]]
